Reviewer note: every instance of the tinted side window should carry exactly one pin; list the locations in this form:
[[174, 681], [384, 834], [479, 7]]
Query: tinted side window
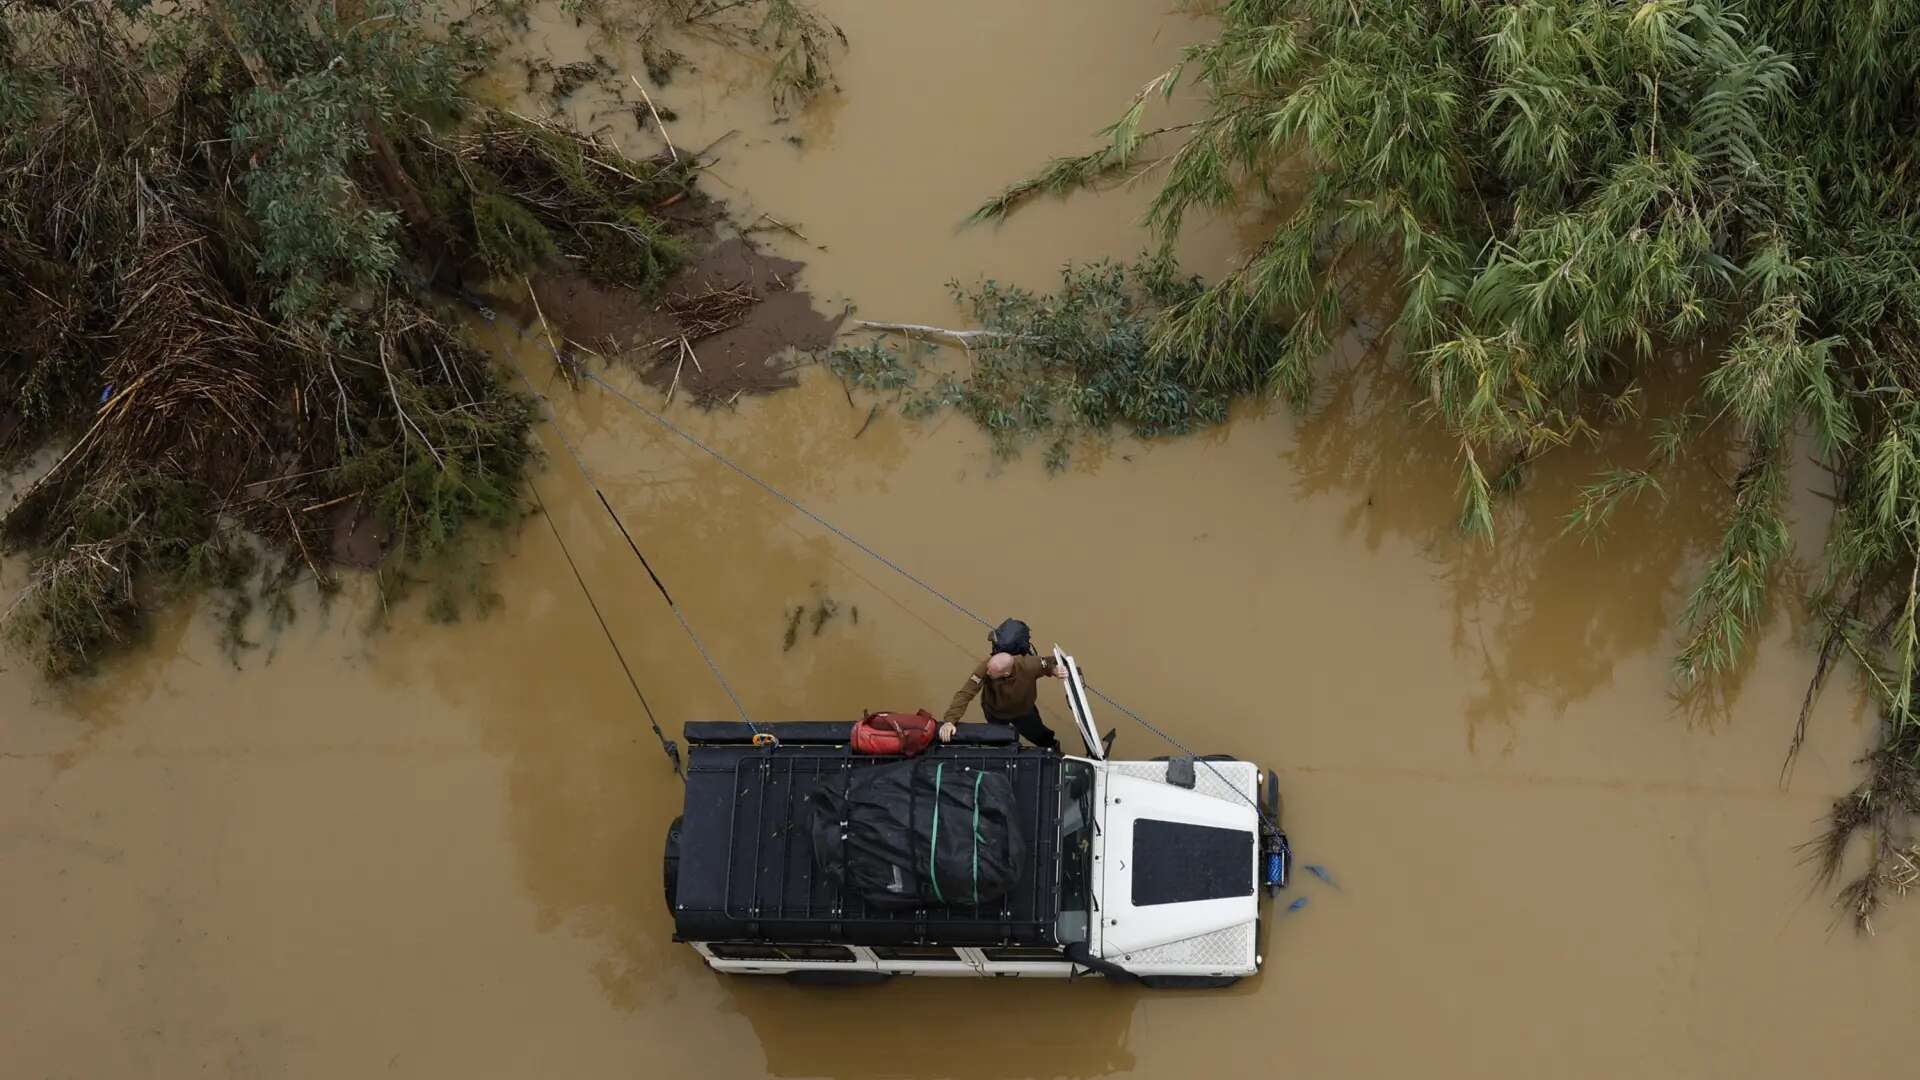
[[914, 952], [776, 953], [723, 951], [817, 952], [1024, 953]]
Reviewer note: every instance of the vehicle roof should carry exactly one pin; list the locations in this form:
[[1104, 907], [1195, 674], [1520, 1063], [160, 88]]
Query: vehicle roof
[[746, 858]]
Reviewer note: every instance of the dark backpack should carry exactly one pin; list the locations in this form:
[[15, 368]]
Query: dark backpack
[[1011, 636]]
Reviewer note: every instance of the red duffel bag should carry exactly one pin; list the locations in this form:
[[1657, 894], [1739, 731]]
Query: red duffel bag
[[902, 734]]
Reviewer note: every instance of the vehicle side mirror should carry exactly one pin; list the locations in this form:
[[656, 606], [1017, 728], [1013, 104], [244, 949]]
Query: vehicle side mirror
[[1106, 742]]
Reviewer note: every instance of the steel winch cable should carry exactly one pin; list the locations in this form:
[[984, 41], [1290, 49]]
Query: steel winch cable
[[783, 497], [667, 745], [1270, 824], [526, 333]]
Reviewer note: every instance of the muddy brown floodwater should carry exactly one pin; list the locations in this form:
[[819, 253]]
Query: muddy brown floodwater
[[434, 851]]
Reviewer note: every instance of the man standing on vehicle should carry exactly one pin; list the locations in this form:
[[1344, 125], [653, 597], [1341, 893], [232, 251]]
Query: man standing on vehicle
[[1008, 684]]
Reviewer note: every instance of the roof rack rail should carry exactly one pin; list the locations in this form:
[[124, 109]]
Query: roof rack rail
[[826, 733]]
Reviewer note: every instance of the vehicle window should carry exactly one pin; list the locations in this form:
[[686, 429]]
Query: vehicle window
[[1076, 851], [914, 952], [722, 950], [1026, 954], [817, 952]]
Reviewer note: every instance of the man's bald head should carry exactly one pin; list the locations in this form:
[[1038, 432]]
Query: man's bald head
[[999, 665]]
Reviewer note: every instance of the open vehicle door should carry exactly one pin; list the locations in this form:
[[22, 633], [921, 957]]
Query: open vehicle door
[[1077, 704]]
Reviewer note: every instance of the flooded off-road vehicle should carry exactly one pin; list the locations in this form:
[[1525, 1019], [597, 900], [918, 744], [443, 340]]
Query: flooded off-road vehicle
[[795, 855]]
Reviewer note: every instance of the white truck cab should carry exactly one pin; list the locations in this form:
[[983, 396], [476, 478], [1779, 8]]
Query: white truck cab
[[1149, 870]]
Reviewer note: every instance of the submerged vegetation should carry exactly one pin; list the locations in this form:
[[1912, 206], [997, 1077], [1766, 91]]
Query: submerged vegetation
[[1061, 368], [796, 40], [1572, 195], [222, 227]]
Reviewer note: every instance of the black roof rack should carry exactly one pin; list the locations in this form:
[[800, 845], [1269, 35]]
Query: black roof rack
[[828, 733], [746, 856]]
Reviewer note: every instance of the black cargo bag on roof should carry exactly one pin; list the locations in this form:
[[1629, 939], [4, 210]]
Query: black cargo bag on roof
[[919, 833]]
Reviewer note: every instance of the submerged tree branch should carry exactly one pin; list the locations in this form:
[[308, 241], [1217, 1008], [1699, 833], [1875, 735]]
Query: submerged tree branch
[[962, 337]]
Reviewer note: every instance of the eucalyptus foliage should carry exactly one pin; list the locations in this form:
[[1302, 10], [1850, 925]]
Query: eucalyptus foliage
[[324, 79], [218, 223], [1063, 368]]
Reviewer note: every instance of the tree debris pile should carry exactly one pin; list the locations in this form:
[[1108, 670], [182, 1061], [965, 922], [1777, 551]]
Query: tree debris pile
[[1880, 813], [726, 324], [215, 232], [796, 41], [1061, 368], [521, 192]]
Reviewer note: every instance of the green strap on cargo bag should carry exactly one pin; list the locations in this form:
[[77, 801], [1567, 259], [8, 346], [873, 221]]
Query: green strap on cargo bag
[[933, 841], [976, 836]]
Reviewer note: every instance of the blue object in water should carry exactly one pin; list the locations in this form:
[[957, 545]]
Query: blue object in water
[[1296, 905], [105, 393], [1321, 872]]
